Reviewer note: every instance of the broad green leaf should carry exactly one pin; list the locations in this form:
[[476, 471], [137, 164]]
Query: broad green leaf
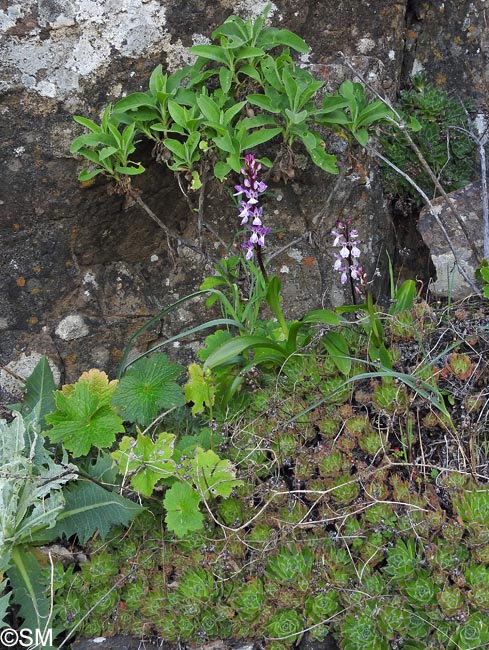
[[213, 342], [361, 136], [296, 118], [404, 297], [130, 171], [182, 509], [146, 461], [225, 79], [236, 347], [39, 392], [264, 102], [259, 137], [209, 108], [290, 87], [257, 120], [322, 316], [83, 419], [337, 347], [86, 175], [249, 52], [157, 80], [147, 388], [88, 124], [221, 170], [213, 476], [232, 111], [4, 603], [374, 112], [200, 388], [319, 157], [288, 39], [106, 152], [30, 590], [91, 140], [270, 72], [89, 154], [212, 52], [175, 147], [134, 100], [250, 71], [177, 113], [90, 508], [225, 143]]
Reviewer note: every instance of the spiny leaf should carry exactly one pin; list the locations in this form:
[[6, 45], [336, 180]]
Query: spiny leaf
[[182, 509], [147, 388]]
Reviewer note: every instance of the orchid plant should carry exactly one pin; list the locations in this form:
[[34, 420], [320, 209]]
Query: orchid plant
[[251, 212]]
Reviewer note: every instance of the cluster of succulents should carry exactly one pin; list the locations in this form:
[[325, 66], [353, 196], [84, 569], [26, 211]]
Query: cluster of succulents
[[448, 151], [337, 528]]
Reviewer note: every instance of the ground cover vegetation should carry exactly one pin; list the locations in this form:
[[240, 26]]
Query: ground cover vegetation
[[319, 476]]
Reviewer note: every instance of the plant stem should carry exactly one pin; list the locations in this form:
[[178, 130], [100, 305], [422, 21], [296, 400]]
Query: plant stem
[[260, 262]]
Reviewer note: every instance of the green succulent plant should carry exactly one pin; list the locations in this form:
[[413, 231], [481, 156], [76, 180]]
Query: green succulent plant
[[472, 635], [332, 463], [291, 564], [390, 397], [394, 618], [321, 605], [345, 489], [197, 586], [451, 600], [448, 152], [359, 632], [402, 559], [249, 599], [286, 626]]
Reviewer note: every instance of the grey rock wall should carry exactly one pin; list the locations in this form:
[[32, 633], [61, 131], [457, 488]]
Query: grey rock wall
[[80, 272]]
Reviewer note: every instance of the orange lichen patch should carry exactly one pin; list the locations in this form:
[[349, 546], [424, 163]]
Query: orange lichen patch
[[33, 320], [440, 79], [16, 227], [70, 359], [36, 268], [412, 34], [88, 183], [20, 282], [116, 354], [309, 261]]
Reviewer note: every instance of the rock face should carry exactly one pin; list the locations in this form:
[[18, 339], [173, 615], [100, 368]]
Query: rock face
[[81, 272], [467, 204]]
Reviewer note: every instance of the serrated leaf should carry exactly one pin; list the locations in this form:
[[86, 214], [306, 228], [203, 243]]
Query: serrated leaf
[[147, 388], [90, 508], [83, 418], [182, 509], [148, 461], [213, 476], [39, 392], [213, 342], [200, 388]]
